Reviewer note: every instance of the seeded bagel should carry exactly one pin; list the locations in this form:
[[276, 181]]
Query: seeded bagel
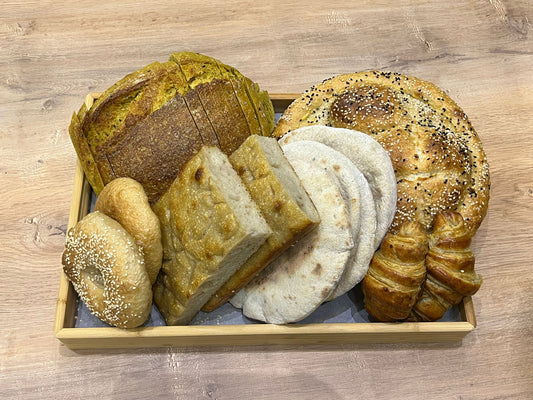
[[107, 271]]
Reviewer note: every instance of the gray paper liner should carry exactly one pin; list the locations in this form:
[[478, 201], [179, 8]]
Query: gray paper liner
[[347, 308]]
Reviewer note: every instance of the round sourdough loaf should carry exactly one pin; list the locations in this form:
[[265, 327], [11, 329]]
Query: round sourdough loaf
[[151, 122], [437, 156], [303, 277]]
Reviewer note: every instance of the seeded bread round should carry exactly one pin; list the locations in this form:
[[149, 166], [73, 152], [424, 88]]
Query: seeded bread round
[[107, 271], [437, 155], [125, 200]]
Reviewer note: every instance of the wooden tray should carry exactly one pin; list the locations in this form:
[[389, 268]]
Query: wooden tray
[[230, 335]]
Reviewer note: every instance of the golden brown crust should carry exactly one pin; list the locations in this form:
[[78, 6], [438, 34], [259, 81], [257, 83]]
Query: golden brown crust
[[156, 148], [396, 273], [450, 268], [107, 270], [206, 235], [151, 122], [125, 200], [438, 158]]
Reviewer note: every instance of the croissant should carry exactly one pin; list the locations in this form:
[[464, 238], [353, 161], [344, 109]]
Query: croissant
[[396, 273], [450, 268]]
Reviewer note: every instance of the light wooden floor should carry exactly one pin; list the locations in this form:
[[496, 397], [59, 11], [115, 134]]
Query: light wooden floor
[[53, 53]]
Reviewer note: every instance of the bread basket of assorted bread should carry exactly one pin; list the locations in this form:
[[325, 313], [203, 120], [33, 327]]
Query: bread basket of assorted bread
[[208, 212]]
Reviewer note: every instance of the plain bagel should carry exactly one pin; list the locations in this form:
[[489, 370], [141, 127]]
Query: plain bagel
[[125, 200]]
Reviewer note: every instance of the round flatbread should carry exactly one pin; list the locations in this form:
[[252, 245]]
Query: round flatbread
[[305, 275], [357, 195], [369, 157]]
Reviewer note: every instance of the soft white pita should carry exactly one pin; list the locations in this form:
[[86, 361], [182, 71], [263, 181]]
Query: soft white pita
[[304, 276], [369, 157], [358, 196]]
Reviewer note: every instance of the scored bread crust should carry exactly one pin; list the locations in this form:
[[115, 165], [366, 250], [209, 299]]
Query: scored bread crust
[[437, 155], [152, 121]]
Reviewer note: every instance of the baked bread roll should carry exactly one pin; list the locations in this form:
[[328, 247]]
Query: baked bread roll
[[151, 122], [437, 156], [396, 273], [210, 226], [124, 200], [283, 202], [450, 269]]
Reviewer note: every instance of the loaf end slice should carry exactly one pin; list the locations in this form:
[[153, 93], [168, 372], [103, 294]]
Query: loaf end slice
[[212, 228]]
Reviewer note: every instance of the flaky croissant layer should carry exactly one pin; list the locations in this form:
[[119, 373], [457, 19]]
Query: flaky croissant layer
[[450, 269], [396, 273], [418, 276]]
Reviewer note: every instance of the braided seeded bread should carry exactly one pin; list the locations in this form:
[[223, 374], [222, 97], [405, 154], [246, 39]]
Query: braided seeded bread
[[151, 122], [437, 156]]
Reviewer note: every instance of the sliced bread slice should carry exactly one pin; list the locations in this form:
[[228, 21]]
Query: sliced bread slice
[[211, 227], [282, 200]]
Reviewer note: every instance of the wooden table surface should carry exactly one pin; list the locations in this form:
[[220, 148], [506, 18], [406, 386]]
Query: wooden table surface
[[53, 53]]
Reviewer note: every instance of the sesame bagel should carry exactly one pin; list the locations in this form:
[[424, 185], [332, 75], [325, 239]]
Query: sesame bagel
[[125, 200], [107, 271], [437, 155]]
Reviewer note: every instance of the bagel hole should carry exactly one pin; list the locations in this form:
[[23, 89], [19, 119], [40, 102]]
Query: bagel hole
[[94, 275]]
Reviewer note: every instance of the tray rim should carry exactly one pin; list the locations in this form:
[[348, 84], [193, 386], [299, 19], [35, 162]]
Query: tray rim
[[249, 334]]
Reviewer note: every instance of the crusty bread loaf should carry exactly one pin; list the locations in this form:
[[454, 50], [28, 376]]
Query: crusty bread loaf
[[151, 122], [437, 155], [283, 202], [214, 82], [210, 226]]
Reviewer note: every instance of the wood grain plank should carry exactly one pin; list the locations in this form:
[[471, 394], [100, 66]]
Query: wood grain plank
[[55, 52]]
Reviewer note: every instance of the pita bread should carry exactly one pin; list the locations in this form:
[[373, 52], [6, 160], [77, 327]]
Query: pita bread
[[304, 276], [358, 196], [369, 157]]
